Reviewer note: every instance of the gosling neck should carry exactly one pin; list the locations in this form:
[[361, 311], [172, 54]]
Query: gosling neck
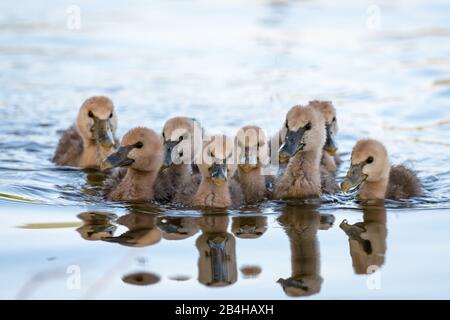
[[373, 190], [302, 177], [307, 160], [253, 184], [138, 185], [92, 154]]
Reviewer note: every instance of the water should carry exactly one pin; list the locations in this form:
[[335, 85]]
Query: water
[[228, 63]]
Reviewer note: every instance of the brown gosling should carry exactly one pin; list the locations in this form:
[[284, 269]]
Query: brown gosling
[[217, 189], [252, 149], [87, 143], [330, 159], [302, 147], [182, 143], [371, 172], [141, 152]]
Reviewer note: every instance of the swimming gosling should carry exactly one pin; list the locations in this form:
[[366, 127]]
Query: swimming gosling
[[141, 153], [330, 158], [302, 147], [376, 179], [252, 148], [87, 143], [217, 188], [182, 143]]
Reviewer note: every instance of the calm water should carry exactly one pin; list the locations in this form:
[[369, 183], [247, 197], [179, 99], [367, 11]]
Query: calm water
[[228, 63]]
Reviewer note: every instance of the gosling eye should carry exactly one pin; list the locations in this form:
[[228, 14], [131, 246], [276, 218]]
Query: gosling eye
[[334, 119], [139, 145], [286, 124], [369, 160], [164, 136], [308, 126], [181, 154], [111, 115], [90, 114], [180, 139]]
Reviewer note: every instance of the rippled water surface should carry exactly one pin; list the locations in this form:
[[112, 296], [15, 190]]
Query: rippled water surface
[[228, 63]]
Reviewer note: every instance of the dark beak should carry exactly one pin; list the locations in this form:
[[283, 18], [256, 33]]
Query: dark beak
[[117, 159], [291, 145], [218, 174], [168, 149], [103, 134], [330, 144], [354, 177]]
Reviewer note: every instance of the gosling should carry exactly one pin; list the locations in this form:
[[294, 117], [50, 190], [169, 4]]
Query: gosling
[[141, 153], [330, 158], [371, 173], [217, 189], [182, 143], [252, 149], [302, 147], [87, 143]]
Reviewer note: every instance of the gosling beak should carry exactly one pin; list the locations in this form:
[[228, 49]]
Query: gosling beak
[[354, 177], [117, 159], [103, 134], [291, 145], [168, 148], [248, 162], [330, 145], [218, 174]]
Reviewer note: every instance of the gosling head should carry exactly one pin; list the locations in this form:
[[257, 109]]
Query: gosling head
[[97, 122], [328, 111], [252, 148], [218, 160], [182, 141], [305, 131], [140, 149], [369, 162]]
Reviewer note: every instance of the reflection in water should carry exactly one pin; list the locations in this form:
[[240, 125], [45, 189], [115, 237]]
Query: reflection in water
[[141, 278], [250, 271], [251, 227], [96, 225], [177, 228], [217, 249], [142, 230], [326, 221], [95, 178], [367, 239], [301, 226]]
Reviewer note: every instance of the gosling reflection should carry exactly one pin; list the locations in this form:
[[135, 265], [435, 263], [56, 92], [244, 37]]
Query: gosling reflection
[[301, 226], [367, 239], [141, 278], [177, 228], [217, 249], [142, 230], [96, 225], [251, 227]]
